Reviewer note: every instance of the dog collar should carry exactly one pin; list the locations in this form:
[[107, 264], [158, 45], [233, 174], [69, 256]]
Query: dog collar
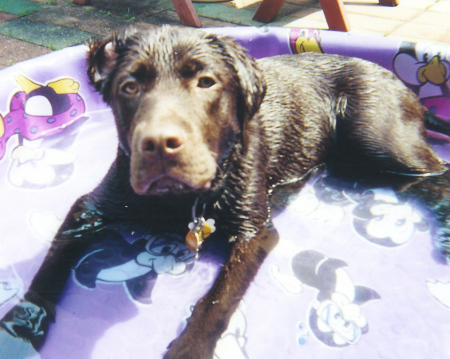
[[200, 228]]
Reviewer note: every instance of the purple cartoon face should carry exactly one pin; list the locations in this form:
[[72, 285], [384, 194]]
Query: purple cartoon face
[[41, 111]]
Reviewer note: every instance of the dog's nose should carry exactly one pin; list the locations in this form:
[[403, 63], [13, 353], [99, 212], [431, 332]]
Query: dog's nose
[[168, 142]]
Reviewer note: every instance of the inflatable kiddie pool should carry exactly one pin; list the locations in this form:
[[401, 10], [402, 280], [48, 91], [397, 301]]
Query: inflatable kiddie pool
[[354, 275]]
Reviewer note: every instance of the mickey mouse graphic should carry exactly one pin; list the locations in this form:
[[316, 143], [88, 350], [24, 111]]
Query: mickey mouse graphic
[[135, 258], [335, 317]]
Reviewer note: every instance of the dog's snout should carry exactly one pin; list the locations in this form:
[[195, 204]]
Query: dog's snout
[[168, 142]]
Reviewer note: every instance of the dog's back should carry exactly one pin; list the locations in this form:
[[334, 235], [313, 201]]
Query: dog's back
[[353, 114]]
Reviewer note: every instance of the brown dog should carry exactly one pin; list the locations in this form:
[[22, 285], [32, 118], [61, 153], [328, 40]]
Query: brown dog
[[200, 121]]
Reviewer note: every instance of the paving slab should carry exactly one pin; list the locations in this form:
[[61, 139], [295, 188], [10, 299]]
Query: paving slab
[[226, 12], [288, 10], [171, 17], [304, 11], [289, 21], [55, 2], [437, 19], [6, 17], [315, 20], [445, 37], [418, 32], [308, 3], [39, 33], [21, 7], [401, 12], [131, 9], [85, 19], [13, 51], [442, 6], [417, 4], [372, 23]]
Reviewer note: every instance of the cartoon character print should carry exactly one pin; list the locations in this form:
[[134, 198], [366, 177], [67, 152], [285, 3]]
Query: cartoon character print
[[135, 258], [231, 344], [440, 291], [11, 285], [335, 317], [378, 215], [45, 225], [305, 40], [322, 202], [426, 70], [41, 112], [383, 219]]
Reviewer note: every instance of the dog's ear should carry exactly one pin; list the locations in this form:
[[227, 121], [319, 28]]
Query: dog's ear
[[249, 78], [101, 58], [103, 55]]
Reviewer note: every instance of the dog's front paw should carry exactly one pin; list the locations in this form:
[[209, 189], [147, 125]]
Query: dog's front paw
[[28, 321]]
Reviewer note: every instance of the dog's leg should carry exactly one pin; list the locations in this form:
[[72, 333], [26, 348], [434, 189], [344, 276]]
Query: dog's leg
[[31, 317], [212, 313]]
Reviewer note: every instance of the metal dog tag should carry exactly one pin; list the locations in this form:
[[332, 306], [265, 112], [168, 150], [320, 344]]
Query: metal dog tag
[[199, 230], [193, 240]]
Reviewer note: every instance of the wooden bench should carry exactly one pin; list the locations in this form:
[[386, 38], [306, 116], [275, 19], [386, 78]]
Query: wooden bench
[[333, 10]]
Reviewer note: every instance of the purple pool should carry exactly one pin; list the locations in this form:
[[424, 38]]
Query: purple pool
[[354, 275]]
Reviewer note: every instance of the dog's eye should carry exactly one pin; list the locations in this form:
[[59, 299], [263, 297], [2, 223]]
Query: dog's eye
[[130, 88], [206, 82]]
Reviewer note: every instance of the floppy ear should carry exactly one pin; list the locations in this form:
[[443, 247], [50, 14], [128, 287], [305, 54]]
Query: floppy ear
[[101, 58], [103, 55], [250, 80]]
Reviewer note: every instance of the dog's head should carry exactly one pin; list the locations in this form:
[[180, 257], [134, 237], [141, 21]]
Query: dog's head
[[180, 97]]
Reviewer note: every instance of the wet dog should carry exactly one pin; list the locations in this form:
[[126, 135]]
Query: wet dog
[[205, 128]]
